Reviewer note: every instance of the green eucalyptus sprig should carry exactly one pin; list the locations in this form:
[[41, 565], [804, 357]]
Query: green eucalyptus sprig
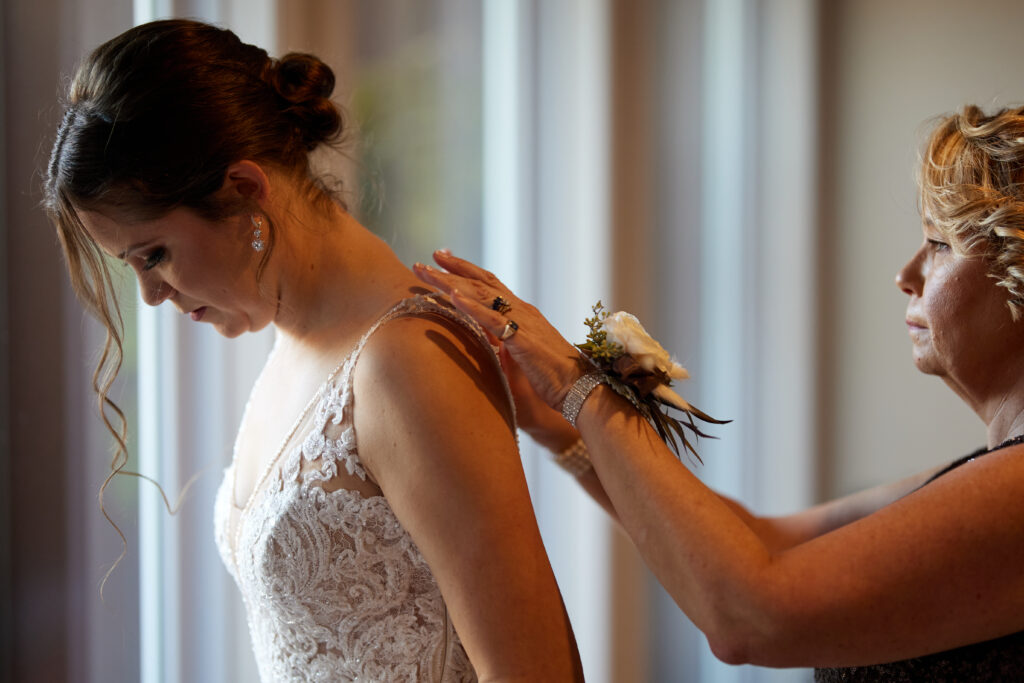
[[597, 347]]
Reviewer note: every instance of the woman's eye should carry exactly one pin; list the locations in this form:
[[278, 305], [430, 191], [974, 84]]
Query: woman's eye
[[938, 245], [155, 258]]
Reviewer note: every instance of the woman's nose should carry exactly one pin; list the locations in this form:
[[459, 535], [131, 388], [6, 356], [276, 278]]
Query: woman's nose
[[154, 290], [908, 279]]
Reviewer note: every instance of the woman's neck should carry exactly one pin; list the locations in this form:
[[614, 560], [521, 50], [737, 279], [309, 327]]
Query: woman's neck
[[334, 277], [1007, 420]]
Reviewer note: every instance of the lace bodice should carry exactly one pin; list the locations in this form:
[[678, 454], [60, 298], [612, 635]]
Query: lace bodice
[[334, 587]]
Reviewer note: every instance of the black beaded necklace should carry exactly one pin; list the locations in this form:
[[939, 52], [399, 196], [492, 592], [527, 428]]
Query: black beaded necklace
[[984, 450], [1013, 441]]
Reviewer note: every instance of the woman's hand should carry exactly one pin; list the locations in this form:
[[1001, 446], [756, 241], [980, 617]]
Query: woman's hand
[[548, 361], [544, 424]]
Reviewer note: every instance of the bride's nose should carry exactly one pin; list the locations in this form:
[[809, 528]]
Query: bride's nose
[[154, 290]]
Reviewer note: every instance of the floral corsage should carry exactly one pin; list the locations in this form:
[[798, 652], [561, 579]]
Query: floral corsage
[[637, 367]]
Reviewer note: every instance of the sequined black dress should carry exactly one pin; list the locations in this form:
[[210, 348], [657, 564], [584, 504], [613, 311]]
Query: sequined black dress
[[993, 661]]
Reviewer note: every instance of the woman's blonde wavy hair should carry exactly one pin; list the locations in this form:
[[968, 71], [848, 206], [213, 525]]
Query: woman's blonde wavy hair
[[971, 180]]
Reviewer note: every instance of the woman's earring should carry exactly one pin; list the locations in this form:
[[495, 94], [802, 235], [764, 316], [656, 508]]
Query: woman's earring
[[257, 232]]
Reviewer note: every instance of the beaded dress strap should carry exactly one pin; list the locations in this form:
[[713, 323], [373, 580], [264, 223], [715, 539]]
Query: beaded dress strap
[[422, 304]]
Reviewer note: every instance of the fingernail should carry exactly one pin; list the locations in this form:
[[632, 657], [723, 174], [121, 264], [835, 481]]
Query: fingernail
[[445, 250], [421, 266]]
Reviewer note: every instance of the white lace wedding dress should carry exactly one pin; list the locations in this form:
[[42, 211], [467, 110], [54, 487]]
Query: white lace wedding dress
[[334, 587]]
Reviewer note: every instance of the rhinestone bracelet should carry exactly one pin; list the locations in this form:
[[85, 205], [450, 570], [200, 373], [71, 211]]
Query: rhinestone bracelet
[[575, 459], [578, 393]]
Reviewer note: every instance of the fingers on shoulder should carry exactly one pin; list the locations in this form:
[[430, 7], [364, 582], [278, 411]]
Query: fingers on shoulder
[[465, 268]]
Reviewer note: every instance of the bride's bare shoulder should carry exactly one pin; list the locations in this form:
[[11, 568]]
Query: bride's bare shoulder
[[429, 350], [432, 381]]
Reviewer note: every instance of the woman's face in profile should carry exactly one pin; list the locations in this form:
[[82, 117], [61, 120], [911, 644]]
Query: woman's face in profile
[[206, 269], [957, 317]]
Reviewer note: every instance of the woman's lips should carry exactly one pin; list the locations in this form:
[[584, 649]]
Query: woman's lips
[[914, 325], [197, 314]]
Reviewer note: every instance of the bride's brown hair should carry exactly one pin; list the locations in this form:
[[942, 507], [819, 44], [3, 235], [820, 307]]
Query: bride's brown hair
[[153, 119]]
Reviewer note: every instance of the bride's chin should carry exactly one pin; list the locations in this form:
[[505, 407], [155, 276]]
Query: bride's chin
[[238, 327], [230, 330], [228, 333]]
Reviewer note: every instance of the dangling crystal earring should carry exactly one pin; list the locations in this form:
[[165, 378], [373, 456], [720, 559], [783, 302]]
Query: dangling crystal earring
[[257, 232]]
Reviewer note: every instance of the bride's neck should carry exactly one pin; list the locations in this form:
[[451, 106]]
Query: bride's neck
[[335, 278]]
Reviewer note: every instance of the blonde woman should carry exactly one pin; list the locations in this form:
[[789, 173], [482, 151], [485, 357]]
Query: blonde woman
[[919, 580]]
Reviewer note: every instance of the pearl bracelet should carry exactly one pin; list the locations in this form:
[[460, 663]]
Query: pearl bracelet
[[578, 393], [575, 459]]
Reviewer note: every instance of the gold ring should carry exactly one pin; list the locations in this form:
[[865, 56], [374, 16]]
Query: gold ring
[[509, 330]]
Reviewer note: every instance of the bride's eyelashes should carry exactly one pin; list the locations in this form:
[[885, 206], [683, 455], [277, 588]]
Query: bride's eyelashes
[[155, 258]]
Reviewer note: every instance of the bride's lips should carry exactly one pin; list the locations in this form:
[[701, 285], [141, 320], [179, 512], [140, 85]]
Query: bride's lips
[[914, 325], [197, 314]]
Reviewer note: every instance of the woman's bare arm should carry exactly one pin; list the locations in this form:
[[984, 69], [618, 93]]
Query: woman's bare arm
[[549, 429], [935, 569], [883, 576], [435, 430]]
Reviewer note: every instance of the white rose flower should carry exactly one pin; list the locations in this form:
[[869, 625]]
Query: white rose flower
[[640, 370], [625, 330]]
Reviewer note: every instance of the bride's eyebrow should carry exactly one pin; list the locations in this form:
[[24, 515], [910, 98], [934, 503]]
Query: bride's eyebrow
[[135, 247]]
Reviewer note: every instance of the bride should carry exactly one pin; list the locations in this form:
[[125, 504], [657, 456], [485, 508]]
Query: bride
[[375, 516]]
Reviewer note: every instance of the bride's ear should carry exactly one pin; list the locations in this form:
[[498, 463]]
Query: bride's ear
[[247, 180]]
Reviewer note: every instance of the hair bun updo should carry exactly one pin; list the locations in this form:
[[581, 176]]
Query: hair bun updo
[[304, 85], [158, 113]]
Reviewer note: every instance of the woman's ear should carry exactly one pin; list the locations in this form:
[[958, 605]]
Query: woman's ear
[[247, 180]]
